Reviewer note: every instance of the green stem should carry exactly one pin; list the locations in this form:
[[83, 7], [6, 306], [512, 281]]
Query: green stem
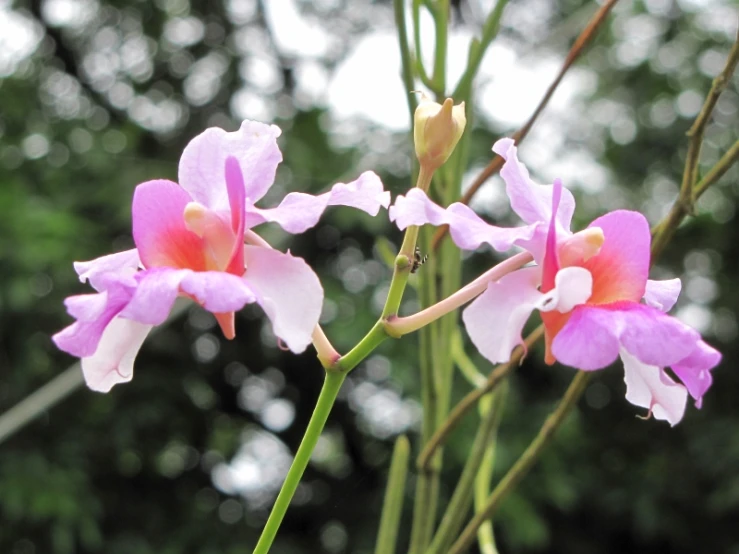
[[405, 55], [325, 402], [441, 18], [363, 349], [485, 535], [392, 507], [523, 464], [461, 500], [459, 411], [478, 49]]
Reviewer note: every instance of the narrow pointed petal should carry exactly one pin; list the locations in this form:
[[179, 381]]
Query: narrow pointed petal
[[621, 267], [662, 294], [695, 370], [495, 319], [159, 229], [299, 211], [202, 165], [592, 336], [288, 291], [650, 387], [532, 202], [126, 263], [237, 205], [112, 362], [550, 265], [467, 229]]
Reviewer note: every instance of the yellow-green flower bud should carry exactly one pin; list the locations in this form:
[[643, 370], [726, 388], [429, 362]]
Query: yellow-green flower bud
[[437, 129]]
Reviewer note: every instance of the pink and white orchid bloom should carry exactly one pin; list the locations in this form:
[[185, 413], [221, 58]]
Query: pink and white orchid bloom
[[190, 242], [589, 288]]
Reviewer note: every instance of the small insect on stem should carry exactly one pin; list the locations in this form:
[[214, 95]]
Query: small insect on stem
[[418, 260]]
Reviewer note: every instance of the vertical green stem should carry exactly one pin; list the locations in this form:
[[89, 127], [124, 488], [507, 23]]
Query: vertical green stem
[[523, 464], [325, 402], [461, 500], [392, 507]]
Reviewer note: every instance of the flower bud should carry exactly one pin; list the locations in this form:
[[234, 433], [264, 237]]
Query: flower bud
[[437, 129]]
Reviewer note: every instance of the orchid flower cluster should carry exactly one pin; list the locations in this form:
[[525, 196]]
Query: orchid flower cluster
[[195, 239]]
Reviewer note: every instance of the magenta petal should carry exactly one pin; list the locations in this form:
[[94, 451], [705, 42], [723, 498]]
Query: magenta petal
[[201, 170], [122, 263], [467, 229], [112, 362], [218, 292], [495, 319], [93, 313], [155, 295], [288, 291], [621, 268], [592, 337], [695, 370], [532, 202], [299, 211], [159, 228], [662, 294], [650, 387]]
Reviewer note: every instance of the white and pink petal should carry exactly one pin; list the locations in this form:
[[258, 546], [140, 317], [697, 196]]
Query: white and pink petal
[[300, 211], [532, 202], [662, 294], [495, 319], [112, 361], [288, 291], [124, 263], [202, 165], [650, 387], [467, 229]]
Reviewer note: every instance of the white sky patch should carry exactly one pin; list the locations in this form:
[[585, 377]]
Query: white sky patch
[[19, 37], [294, 34]]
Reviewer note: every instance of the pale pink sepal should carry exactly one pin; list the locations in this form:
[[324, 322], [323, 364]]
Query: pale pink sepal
[[593, 336], [532, 202], [650, 387], [299, 211], [202, 165], [112, 362], [495, 319], [288, 291], [695, 370], [126, 262], [662, 294], [467, 229]]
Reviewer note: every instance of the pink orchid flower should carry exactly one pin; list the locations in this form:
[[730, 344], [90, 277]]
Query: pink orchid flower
[[190, 241], [589, 288]]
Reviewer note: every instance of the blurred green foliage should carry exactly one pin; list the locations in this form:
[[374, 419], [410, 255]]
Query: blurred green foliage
[[185, 459]]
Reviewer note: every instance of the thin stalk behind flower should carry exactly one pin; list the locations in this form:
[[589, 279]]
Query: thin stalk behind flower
[[399, 326]]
